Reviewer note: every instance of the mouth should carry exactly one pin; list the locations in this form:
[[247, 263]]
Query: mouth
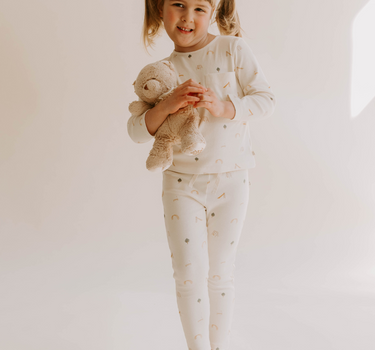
[[186, 31]]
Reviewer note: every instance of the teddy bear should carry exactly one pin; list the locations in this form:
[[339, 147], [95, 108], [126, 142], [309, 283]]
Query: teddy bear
[[155, 83]]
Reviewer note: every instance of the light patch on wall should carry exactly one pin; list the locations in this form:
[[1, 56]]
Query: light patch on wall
[[363, 69]]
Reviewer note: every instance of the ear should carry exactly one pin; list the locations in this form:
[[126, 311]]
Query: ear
[[134, 82]]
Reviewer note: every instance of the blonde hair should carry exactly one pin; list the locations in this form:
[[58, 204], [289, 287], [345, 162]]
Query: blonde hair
[[227, 19]]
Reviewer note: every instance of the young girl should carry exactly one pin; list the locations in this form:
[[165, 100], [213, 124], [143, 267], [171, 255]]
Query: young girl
[[205, 197]]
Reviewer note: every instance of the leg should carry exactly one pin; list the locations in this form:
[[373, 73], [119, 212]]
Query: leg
[[185, 222], [192, 141], [161, 154], [227, 209]]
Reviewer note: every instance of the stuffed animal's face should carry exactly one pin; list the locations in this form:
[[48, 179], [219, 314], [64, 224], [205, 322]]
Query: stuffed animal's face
[[154, 80]]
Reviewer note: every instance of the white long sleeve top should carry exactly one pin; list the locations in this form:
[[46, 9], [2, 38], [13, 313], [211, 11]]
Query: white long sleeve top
[[228, 66]]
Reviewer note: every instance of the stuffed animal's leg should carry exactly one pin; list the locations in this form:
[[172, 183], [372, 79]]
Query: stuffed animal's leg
[[192, 141], [161, 154]]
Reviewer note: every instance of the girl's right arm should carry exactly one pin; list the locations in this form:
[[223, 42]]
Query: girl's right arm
[[143, 128], [137, 128]]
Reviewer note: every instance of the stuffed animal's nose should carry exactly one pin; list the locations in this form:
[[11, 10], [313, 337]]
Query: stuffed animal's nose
[[152, 88]]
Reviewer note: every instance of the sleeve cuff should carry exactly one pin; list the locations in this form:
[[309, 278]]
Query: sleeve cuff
[[237, 106], [137, 129], [261, 106]]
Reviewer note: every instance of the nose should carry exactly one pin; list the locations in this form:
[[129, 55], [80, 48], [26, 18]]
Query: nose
[[188, 17]]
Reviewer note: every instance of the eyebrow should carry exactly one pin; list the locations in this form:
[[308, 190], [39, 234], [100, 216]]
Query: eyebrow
[[200, 3]]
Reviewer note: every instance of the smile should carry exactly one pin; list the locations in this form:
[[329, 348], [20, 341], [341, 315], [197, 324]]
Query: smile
[[185, 31]]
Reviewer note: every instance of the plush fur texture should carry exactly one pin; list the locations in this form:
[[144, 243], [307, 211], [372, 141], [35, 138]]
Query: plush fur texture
[[155, 83]]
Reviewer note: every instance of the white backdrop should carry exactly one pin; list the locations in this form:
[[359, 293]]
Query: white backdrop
[[85, 262]]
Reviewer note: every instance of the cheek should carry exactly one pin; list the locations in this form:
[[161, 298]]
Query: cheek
[[171, 17], [203, 22]]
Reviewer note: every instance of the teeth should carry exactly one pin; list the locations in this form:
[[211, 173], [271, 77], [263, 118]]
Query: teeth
[[186, 30]]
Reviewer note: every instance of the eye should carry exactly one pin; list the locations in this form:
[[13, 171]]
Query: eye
[[198, 8]]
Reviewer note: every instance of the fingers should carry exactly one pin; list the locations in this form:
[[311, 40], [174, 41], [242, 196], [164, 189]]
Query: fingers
[[192, 82], [204, 98], [192, 86], [193, 90], [193, 99]]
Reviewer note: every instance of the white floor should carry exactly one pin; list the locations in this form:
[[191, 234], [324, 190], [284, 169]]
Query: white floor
[[264, 320], [129, 303]]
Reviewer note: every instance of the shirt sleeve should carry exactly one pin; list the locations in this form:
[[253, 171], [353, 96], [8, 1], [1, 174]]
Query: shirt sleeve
[[259, 101], [137, 128]]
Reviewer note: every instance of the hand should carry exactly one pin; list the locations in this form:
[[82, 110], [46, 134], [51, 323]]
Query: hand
[[183, 95], [210, 101]]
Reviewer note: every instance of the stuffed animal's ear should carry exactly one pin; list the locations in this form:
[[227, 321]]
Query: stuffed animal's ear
[[168, 63]]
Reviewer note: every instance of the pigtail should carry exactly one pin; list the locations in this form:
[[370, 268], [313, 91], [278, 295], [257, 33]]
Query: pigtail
[[152, 22], [227, 18]]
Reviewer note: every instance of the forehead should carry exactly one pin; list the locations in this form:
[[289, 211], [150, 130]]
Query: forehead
[[202, 3]]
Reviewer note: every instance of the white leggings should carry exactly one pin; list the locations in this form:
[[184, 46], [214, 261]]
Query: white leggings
[[204, 216]]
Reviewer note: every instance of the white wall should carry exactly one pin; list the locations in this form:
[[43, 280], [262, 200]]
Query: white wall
[[85, 262]]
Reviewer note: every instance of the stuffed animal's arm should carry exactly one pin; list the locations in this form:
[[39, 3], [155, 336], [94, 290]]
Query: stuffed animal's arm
[[139, 107]]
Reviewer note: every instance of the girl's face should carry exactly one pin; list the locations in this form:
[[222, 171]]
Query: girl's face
[[190, 14]]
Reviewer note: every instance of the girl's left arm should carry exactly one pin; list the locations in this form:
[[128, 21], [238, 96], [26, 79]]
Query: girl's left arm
[[259, 101]]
